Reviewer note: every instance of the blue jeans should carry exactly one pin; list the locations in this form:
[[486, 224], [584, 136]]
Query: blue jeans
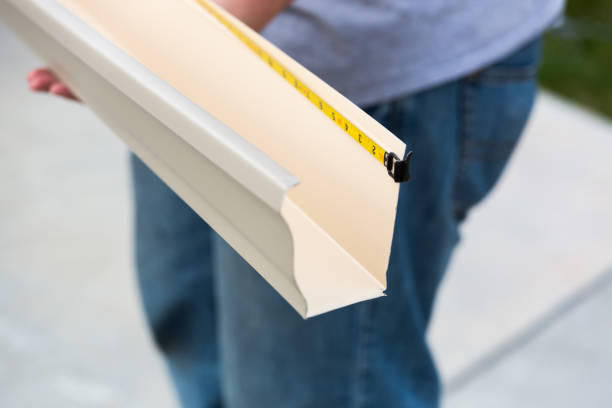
[[231, 341]]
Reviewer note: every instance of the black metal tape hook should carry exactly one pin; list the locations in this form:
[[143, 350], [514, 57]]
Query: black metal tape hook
[[398, 169]]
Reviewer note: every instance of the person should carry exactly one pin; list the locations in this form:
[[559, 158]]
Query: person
[[455, 80]]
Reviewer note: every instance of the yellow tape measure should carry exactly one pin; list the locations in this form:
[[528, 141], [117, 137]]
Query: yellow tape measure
[[397, 169]]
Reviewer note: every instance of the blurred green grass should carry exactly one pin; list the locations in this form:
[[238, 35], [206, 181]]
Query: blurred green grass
[[577, 59]]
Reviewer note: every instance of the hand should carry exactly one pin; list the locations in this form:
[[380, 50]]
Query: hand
[[44, 80]]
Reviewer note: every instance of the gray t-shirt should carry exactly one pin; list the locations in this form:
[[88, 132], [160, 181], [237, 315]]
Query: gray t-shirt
[[375, 50]]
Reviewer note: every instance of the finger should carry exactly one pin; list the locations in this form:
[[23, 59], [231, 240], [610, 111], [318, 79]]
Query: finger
[[62, 90], [42, 82], [40, 71]]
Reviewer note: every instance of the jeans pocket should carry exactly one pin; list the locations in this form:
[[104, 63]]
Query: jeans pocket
[[495, 105]]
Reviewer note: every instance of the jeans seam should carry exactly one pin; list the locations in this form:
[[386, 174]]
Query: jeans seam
[[362, 366], [466, 113]]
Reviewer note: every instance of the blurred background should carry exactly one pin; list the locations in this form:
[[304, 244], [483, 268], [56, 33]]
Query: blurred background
[[523, 317]]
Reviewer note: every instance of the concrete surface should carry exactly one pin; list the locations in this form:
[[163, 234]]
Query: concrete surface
[[72, 332], [568, 364]]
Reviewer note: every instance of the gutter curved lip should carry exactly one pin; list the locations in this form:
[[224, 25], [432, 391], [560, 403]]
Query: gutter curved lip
[[248, 165]]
